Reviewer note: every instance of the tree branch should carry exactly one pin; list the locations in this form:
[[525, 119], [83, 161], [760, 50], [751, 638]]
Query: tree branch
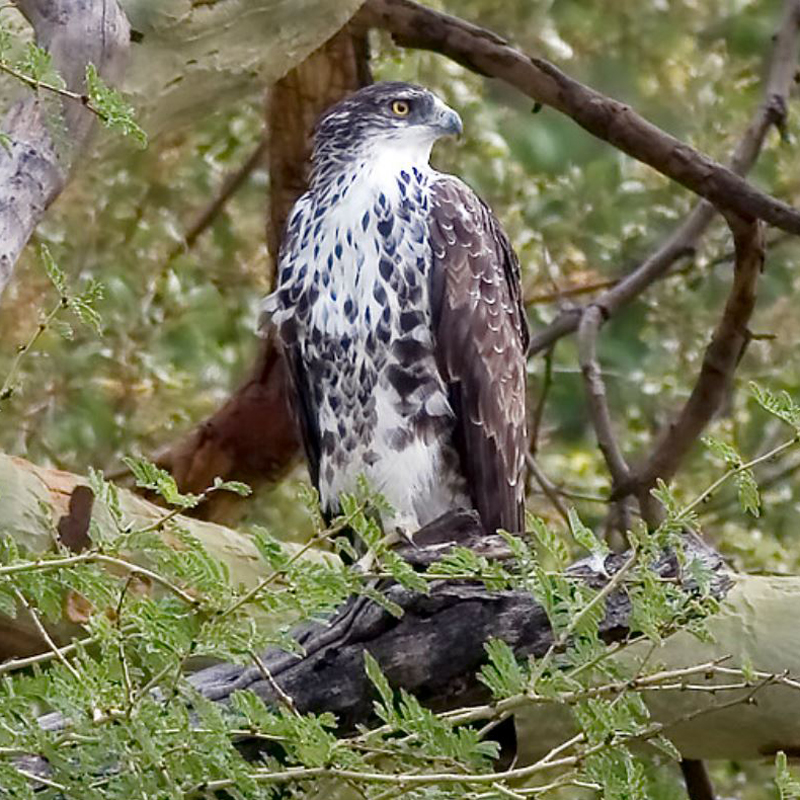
[[35, 164], [719, 363], [596, 396], [230, 185], [412, 25], [683, 240]]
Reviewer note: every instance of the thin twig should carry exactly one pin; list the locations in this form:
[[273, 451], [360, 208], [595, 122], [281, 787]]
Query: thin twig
[[596, 396], [43, 565], [538, 412], [283, 698], [548, 487], [23, 601], [230, 185], [8, 384], [720, 360], [776, 451]]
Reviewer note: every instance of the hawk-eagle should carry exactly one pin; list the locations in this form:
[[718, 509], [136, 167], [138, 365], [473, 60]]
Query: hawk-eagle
[[398, 307]]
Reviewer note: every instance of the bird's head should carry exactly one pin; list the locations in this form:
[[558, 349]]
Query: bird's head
[[389, 117]]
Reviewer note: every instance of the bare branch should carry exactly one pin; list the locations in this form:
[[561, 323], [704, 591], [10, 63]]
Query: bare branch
[[596, 396], [413, 25], [230, 186], [683, 240], [547, 486], [719, 363]]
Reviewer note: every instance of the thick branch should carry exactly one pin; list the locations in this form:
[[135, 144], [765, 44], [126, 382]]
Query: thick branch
[[413, 25], [35, 167], [38, 502], [251, 438]]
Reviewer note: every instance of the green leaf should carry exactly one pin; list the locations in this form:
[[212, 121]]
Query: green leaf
[[462, 562], [8, 601], [664, 495], [779, 405], [54, 272], [37, 63], [504, 675], [83, 306], [5, 142], [63, 329], [550, 541], [585, 537], [404, 573], [237, 487], [747, 488], [788, 786], [722, 450], [385, 708], [112, 108], [149, 476], [666, 747]]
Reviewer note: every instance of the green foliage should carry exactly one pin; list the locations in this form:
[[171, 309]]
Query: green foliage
[[37, 64], [177, 329], [504, 675], [746, 485], [112, 109], [788, 786], [780, 405], [585, 537], [149, 476]]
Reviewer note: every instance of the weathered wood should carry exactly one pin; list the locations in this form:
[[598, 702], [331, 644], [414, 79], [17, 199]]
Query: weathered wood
[[435, 649]]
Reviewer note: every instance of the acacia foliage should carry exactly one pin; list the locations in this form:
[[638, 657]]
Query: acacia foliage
[[175, 332]]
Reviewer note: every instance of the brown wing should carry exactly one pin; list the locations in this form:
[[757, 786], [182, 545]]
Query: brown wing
[[481, 338]]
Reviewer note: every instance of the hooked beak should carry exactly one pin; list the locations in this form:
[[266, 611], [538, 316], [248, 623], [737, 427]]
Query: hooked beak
[[448, 123]]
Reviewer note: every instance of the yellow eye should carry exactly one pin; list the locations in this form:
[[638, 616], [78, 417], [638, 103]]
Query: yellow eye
[[400, 108]]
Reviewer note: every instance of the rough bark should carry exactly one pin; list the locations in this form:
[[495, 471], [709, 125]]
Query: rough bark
[[436, 647]]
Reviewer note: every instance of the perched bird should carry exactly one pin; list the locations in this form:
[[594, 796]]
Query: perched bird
[[398, 306]]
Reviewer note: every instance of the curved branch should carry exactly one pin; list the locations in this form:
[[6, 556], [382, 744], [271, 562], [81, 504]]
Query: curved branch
[[412, 25], [683, 240], [719, 363]]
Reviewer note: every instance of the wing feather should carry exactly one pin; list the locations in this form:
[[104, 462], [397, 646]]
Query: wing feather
[[481, 339], [301, 384]]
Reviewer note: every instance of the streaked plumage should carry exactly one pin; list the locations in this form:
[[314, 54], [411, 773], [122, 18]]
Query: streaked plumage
[[398, 306]]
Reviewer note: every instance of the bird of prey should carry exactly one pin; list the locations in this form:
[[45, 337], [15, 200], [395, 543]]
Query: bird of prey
[[398, 307]]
